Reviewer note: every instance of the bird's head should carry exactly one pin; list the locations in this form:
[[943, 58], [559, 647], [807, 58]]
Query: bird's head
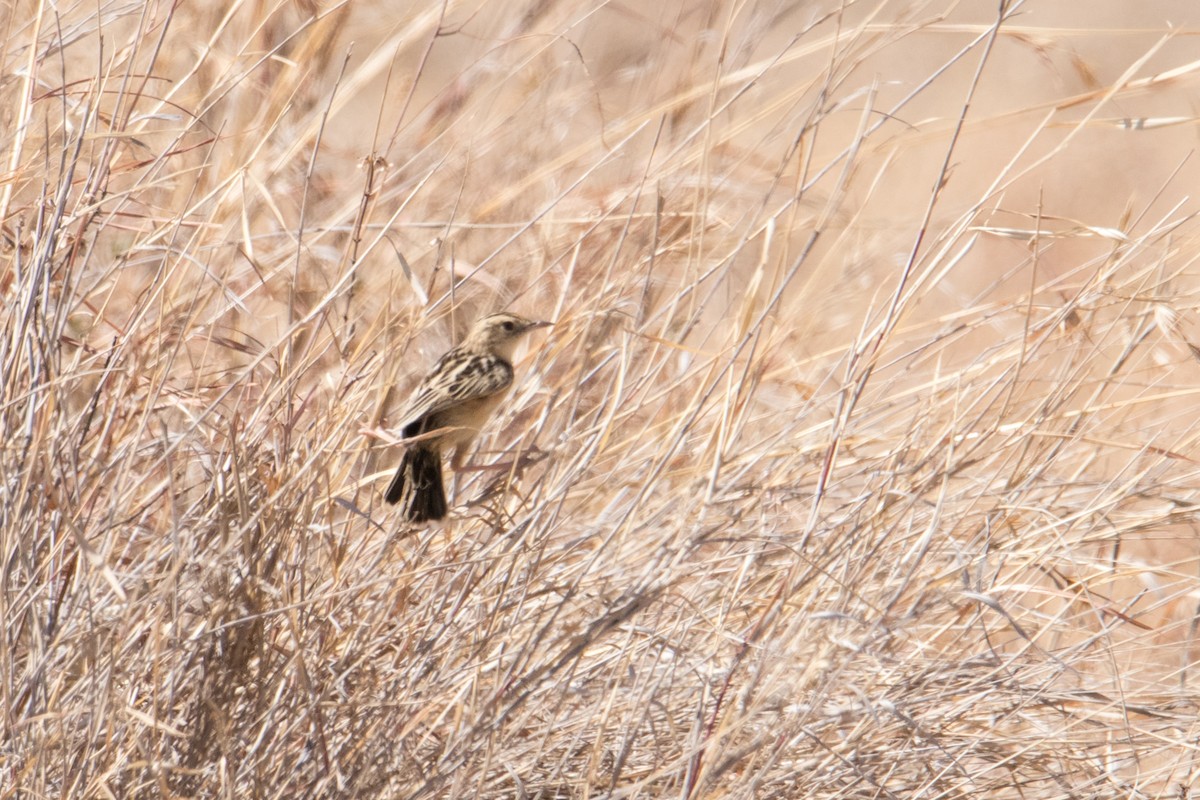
[[499, 333]]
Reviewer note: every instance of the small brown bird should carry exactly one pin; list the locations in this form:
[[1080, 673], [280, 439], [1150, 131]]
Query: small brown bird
[[452, 403]]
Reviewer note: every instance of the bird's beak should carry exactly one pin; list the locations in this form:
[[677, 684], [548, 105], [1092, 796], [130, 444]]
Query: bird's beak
[[539, 324]]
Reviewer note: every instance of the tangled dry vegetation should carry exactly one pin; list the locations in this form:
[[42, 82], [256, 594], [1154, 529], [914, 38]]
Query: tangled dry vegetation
[[861, 462]]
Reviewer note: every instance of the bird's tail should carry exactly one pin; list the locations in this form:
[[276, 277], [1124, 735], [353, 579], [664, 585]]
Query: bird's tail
[[418, 485]]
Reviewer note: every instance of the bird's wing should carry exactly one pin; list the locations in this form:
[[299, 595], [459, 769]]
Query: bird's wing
[[457, 378]]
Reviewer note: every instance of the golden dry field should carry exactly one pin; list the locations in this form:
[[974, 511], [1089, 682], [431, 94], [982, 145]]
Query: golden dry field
[[862, 461]]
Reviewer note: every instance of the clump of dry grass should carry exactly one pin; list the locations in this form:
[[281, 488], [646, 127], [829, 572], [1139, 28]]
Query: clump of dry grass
[[861, 462]]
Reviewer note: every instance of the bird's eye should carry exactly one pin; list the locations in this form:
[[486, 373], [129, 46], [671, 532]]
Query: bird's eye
[[508, 325]]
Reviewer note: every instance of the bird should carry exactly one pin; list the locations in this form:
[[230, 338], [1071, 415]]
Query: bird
[[449, 407]]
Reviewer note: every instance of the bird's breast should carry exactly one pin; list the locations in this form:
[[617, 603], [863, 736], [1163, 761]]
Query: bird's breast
[[469, 415]]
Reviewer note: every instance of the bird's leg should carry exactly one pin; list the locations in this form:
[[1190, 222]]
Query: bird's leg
[[460, 455], [456, 462]]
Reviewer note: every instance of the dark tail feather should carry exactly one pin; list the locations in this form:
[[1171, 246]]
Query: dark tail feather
[[418, 485]]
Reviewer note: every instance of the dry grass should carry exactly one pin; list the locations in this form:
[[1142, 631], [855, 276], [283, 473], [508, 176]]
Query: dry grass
[[861, 464]]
